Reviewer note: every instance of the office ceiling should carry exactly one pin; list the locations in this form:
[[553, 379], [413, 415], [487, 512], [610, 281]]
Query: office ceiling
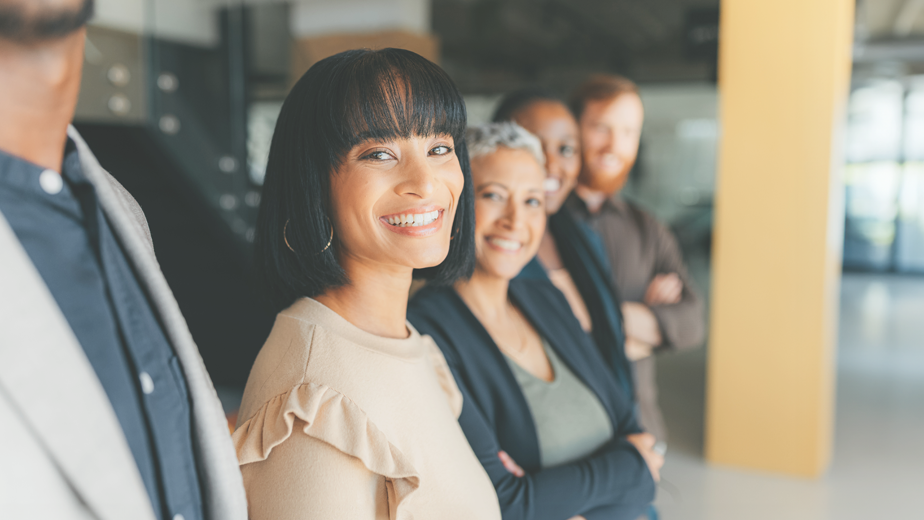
[[890, 19], [493, 45], [889, 38]]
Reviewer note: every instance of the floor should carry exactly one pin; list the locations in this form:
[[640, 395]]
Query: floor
[[878, 463]]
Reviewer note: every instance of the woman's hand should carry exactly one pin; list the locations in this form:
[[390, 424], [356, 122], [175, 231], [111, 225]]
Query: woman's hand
[[510, 464], [644, 443]]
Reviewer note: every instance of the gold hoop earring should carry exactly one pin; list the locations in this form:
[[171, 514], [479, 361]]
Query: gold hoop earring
[[329, 241], [456, 232], [286, 239]]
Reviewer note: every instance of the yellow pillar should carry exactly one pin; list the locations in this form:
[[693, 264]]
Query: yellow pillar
[[784, 72]]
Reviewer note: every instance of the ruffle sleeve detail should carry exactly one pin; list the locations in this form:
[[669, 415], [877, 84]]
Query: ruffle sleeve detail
[[328, 416], [444, 376]]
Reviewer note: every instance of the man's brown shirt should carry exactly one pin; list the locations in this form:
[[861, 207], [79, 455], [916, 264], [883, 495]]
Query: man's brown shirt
[[639, 247]]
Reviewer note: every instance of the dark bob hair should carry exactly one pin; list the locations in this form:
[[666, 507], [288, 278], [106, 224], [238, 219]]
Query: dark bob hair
[[342, 101], [515, 101]]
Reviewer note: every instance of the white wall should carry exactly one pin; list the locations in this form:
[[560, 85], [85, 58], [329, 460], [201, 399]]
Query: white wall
[[195, 21], [188, 21], [319, 17], [679, 144]]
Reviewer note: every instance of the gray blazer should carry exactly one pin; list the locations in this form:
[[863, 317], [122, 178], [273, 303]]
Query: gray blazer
[[64, 454]]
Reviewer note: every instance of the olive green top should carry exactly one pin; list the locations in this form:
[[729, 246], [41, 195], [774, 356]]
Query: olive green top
[[571, 423]]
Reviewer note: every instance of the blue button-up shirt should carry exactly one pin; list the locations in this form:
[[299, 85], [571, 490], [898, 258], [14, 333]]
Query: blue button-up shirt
[[67, 236]]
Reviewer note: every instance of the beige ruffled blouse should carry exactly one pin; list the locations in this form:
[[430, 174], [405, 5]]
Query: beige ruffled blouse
[[337, 423]]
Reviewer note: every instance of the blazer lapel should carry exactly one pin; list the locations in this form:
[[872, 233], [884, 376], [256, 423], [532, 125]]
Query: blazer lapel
[[222, 484], [511, 418], [584, 257], [45, 373], [568, 343]]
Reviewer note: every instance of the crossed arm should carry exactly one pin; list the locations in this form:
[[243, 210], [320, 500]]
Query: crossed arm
[[671, 313], [615, 483]]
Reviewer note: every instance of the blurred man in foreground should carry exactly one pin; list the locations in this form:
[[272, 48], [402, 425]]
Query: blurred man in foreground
[[660, 308], [106, 408]]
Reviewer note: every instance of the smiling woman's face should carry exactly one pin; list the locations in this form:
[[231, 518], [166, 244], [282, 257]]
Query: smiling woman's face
[[393, 202], [557, 129], [509, 211]]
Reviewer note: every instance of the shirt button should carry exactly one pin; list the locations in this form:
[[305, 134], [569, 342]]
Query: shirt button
[[51, 182], [147, 383], [179, 517]]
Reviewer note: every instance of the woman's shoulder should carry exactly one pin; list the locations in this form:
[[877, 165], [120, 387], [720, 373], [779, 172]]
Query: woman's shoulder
[[432, 306], [281, 363], [312, 412], [428, 295], [538, 293], [551, 314], [440, 313], [287, 347], [297, 336], [304, 385], [311, 343]]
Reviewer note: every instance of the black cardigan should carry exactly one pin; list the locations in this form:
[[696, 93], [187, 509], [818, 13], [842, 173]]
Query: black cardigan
[[583, 255], [612, 484]]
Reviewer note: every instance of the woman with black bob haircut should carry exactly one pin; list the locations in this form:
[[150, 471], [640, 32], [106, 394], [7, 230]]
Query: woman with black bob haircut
[[348, 412]]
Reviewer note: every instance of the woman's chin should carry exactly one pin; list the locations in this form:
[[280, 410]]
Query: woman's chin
[[425, 259], [505, 270], [552, 206]]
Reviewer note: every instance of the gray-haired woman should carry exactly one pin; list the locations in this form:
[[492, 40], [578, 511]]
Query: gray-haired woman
[[536, 389]]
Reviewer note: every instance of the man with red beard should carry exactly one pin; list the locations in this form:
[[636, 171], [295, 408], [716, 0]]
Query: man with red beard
[[661, 310]]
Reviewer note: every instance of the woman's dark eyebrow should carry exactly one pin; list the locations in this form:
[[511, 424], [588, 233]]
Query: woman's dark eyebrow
[[365, 140], [481, 186]]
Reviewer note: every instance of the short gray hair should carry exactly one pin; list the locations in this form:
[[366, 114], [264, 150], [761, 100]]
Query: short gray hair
[[485, 139]]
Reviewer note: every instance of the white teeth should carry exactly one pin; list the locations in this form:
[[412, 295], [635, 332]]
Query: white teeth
[[552, 184], [509, 245], [414, 219]]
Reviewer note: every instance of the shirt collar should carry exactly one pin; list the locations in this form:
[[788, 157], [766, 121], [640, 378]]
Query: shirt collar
[[23, 177], [70, 167], [614, 203], [17, 172]]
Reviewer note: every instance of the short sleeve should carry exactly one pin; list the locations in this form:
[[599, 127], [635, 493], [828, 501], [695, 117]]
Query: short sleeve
[[324, 483], [325, 415]]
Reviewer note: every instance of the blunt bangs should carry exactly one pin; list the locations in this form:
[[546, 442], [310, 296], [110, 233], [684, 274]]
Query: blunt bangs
[[343, 101], [391, 94]]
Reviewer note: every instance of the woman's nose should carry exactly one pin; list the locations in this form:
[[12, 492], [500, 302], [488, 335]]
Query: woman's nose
[[513, 215], [418, 179], [552, 164]]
